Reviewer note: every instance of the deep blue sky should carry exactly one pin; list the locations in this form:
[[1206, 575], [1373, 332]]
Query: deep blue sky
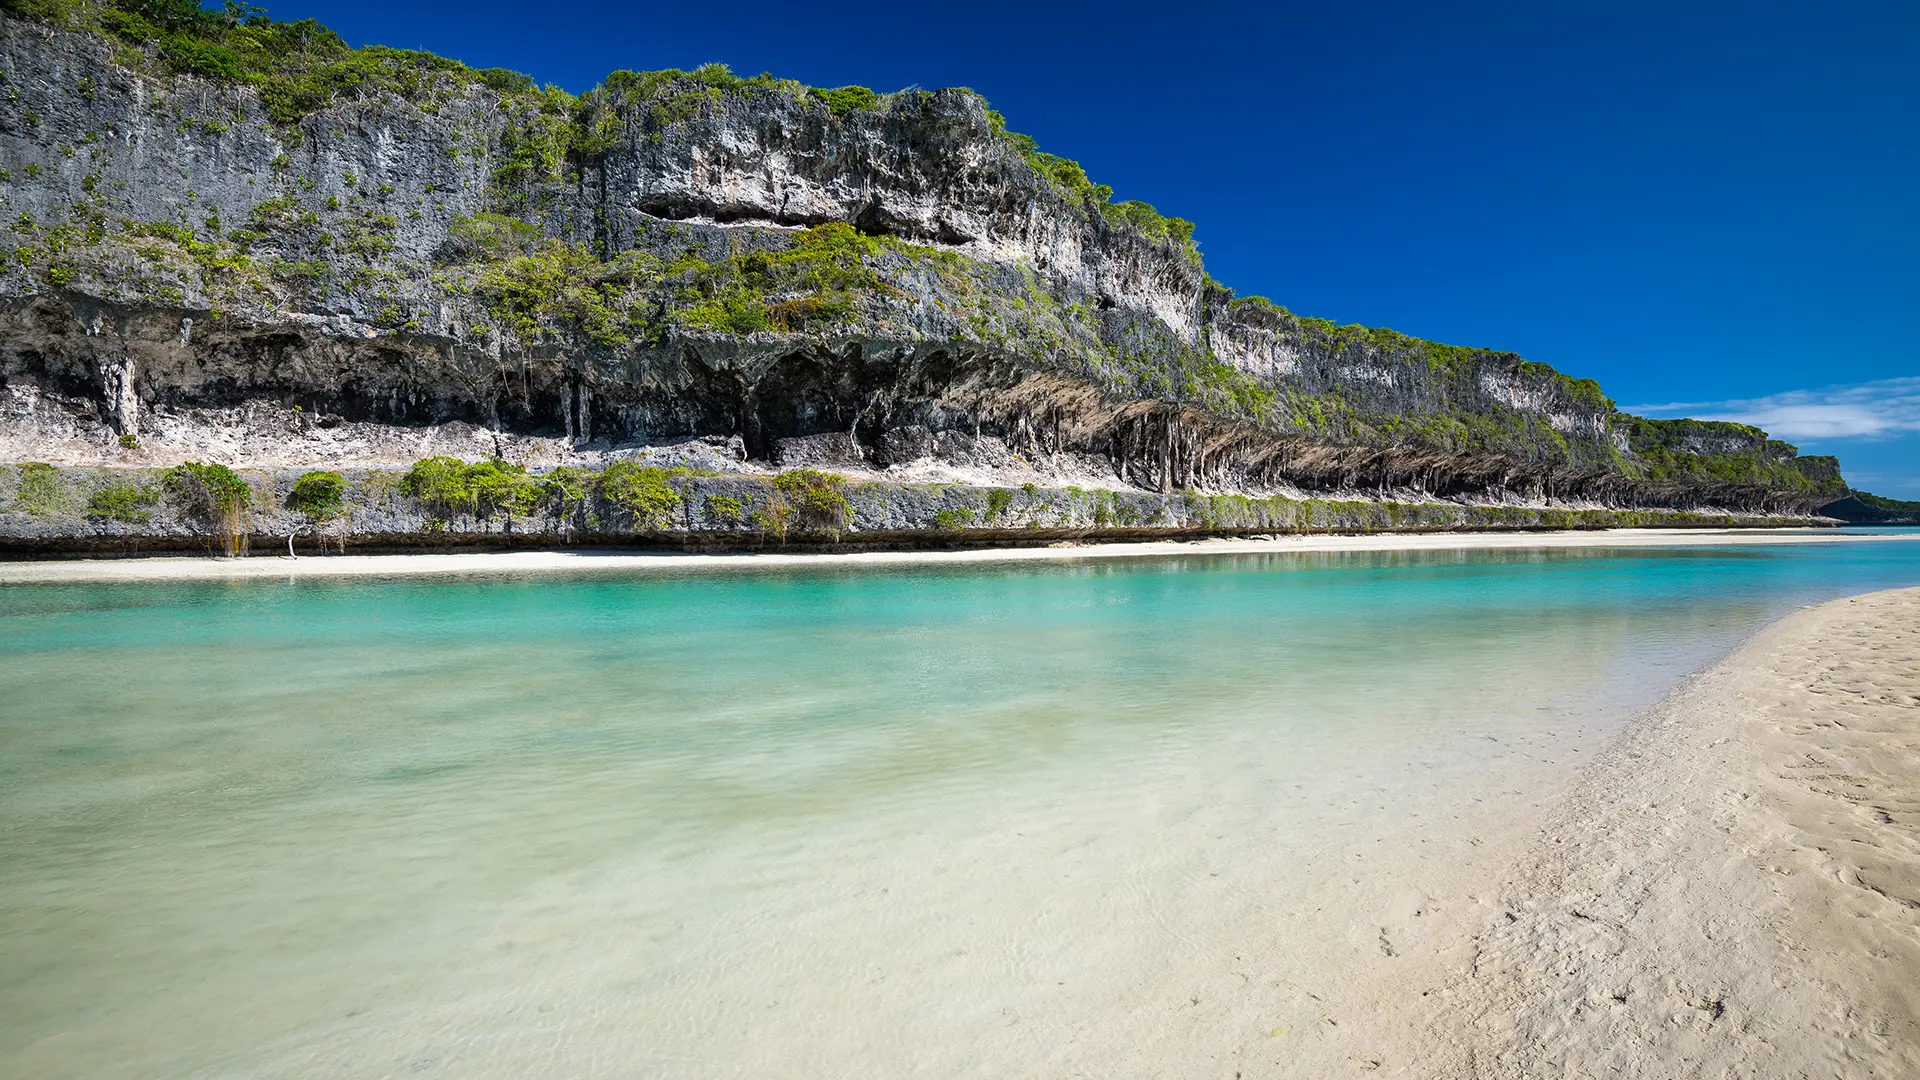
[[1706, 208]]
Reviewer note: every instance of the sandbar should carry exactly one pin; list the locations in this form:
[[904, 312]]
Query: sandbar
[[267, 565], [1731, 889]]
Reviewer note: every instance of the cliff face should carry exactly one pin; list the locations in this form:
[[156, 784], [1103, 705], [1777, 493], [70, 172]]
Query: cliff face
[[1863, 508], [834, 278]]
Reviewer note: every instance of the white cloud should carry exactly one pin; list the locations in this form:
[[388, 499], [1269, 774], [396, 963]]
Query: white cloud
[[1880, 409]]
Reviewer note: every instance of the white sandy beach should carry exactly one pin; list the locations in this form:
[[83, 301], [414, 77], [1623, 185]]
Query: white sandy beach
[[1733, 889], [267, 565]]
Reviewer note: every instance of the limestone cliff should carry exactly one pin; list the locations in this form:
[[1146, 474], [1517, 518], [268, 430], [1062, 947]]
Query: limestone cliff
[[208, 216]]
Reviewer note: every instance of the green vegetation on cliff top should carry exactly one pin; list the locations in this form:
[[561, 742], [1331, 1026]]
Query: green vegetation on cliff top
[[1891, 506], [1072, 181], [298, 67], [301, 67]]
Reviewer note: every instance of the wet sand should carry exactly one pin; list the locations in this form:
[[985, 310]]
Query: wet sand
[[1732, 889], [266, 564]]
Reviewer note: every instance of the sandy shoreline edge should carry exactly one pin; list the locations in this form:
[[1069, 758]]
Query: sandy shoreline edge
[[516, 562], [1731, 889]]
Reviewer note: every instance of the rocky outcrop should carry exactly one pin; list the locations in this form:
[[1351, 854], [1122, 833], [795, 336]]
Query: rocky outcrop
[[1862, 508], [857, 282], [46, 510]]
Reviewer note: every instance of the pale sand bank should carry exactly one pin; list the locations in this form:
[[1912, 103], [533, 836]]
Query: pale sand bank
[[513, 562], [1732, 889]]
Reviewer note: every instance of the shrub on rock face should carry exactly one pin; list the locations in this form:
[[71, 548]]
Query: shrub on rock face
[[217, 487], [500, 488], [813, 501], [640, 493], [218, 497], [439, 484], [725, 510], [449, 488], [127, 505], [319, 495], [845, 99], [39, 493]]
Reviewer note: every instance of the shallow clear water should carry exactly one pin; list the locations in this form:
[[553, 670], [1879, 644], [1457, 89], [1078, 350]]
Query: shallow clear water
[[971, 821]]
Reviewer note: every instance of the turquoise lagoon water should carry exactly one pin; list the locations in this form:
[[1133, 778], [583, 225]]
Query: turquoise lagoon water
[[940, 821]]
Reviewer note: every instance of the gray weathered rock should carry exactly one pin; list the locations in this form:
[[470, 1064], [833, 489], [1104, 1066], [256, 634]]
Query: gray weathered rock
[[180, 258]]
